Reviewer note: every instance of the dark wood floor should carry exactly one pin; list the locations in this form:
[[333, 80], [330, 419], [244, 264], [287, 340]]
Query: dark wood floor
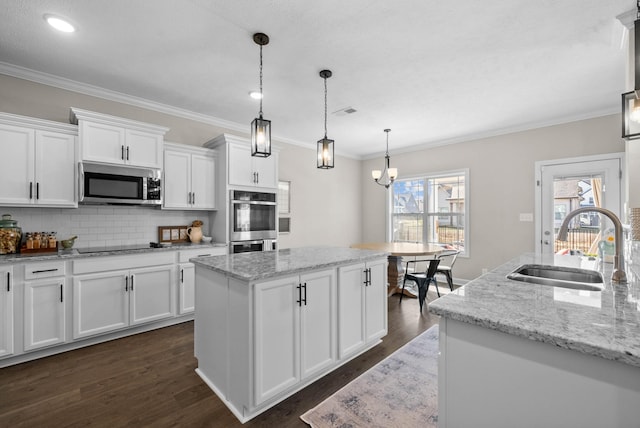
[[149, 380]]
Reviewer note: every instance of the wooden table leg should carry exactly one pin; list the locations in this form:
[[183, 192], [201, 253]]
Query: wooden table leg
[[395, 276]]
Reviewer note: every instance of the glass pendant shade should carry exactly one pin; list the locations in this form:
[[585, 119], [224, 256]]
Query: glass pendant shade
[[261, 137], [325, 153], [376, 174], [630, 115]]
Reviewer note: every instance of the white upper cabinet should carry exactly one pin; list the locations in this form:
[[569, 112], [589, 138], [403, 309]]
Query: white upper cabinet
[[242, 169], [189, 177], [39, 162], [115, 140]]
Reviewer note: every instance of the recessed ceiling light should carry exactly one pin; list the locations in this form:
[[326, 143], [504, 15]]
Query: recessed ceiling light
[[59, 24], [255, 95]]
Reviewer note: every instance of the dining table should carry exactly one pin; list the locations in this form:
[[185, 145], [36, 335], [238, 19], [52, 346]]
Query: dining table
[[395, 268]]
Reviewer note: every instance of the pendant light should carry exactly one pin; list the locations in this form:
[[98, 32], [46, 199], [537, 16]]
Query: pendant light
[[261, 128], [387, 175], [325, 145], [631, 100]]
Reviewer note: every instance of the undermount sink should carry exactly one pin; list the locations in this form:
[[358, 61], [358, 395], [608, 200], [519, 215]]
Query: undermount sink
[[559, 276]]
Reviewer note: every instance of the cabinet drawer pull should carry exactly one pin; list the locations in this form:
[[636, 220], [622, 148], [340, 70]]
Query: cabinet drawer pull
[[61, 299], [44, 270]]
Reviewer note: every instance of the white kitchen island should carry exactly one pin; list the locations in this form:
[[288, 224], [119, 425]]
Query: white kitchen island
[[526, 355], [268, 324]]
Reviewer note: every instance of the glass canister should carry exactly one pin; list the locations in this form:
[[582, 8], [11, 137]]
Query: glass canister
[[10, 235]]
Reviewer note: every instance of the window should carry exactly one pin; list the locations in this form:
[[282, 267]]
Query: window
[[284, 206], [431, 209]]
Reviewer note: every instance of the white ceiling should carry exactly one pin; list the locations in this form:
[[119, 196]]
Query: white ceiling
[[435, 72]]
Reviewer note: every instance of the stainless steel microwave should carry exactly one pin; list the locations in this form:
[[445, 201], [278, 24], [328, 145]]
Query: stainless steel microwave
[[119, 184]]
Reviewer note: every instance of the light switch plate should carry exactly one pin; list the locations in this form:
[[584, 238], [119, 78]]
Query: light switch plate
[[526, 216]]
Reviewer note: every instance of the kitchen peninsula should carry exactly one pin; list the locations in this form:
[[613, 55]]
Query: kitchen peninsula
[[269, 323], [521, 354]]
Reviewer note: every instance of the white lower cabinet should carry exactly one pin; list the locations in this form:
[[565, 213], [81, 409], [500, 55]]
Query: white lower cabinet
[[187, 276], [115, 299], [295, 330], [6, 310], [362, 305], [44, 313]]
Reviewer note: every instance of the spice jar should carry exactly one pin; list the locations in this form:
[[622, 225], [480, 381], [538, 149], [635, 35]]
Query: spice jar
[[37, 240], [10, 235], [52, 240], [29, 242]]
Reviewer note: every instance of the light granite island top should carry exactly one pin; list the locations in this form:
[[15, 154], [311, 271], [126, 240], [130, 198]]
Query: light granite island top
[[261, 265], [268, 324], [522, 354]]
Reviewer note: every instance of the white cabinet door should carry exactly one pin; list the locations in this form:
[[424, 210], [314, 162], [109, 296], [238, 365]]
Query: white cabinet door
[[318, 322], [376, 301], [17, 164], [55, 173], [151, 294], [351, 309], [44, 313], [186, 284], [177, 179], [100, 142], [277, 333], [6, 310], [100, 303], [240, 167], [143, 148], [266, 171], [203, 170]]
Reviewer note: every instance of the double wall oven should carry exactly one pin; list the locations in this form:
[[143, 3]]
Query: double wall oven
[[252, 221]]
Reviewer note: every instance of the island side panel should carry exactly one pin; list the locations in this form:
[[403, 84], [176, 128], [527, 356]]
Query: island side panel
[[496, 379], [210, 329], [239, 345]]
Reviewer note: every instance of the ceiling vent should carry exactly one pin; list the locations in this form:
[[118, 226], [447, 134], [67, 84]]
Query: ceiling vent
[[344, 111]]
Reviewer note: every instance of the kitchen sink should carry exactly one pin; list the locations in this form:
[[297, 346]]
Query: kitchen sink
[[559, 276]]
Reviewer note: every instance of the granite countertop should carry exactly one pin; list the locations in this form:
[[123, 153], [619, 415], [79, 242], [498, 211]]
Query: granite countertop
[[99, 252], [270, 264], [604, 323]]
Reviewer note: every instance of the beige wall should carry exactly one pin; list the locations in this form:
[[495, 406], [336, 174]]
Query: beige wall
[[501, 175], [325, 204]]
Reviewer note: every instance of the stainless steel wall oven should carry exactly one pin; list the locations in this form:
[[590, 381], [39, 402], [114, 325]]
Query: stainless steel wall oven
[[253, 217]]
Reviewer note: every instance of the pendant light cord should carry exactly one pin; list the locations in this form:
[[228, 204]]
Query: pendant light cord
[[261, 96], [325, 106]]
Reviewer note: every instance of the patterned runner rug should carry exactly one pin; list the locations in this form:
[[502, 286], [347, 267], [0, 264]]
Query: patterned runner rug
[[400, 391]]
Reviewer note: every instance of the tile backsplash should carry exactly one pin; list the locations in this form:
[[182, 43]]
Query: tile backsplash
[[101, 226]]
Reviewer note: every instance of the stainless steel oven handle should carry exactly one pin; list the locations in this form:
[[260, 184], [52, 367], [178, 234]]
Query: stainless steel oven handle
[[80, 181], [235, 201]]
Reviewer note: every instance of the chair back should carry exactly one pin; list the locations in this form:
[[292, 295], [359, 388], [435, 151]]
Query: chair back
[[449, 256], [433, 267]]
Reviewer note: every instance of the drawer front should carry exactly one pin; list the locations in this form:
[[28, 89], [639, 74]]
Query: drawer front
[[44, 270], [185, 255], [129, 261]]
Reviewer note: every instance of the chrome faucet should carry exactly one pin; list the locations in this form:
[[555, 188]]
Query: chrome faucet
[[619, 276]]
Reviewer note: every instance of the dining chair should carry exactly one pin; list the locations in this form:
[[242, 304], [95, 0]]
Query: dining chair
[[423, 279], [449, 257]]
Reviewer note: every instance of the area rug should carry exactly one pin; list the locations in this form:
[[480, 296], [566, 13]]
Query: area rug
[[400, 391]]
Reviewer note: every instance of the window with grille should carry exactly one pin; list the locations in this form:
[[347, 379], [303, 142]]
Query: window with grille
[[431, 209]]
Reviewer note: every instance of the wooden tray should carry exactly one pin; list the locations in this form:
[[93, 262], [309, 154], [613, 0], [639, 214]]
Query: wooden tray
[[173, 234], [25, 250]]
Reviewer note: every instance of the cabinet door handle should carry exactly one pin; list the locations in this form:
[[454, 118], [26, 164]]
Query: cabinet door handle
[[61, 296], [181, 275], [127, 152], [44, 270], [366, 278], [131, 282], [38, 190], [122, 152], [126, 283], [369, 275], [299, 301], [8, 281], [31, 190], [305, 294], [193, 198], [257, 177]]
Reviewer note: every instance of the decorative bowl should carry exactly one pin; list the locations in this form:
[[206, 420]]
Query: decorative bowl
[[207, 239]]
